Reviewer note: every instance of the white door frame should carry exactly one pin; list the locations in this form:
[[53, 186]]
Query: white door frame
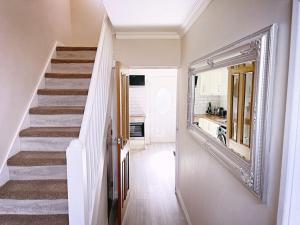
[[289, 199], [177, 151]]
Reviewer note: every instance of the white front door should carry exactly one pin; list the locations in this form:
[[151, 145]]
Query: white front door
[[162, 106]]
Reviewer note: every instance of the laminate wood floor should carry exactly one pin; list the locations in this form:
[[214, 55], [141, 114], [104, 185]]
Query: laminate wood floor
[[152, 182]]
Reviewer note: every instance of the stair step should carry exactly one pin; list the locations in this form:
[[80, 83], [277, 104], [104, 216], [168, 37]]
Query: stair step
[[34, 190], [37, 172], [56, 110], [52, 172], [34, 207], [62, 100], [59, 83], [56, 120], [75, 55], [30, 158], [28, 165], [62, 97], [34, 219], [57, 61], [62, 92], [68, 75], [50, 132], [55, 116], [46, 144], [70, 48], [34, 197], [72, 67]]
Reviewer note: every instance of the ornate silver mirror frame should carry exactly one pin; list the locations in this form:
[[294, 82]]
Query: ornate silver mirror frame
[[261, 47]]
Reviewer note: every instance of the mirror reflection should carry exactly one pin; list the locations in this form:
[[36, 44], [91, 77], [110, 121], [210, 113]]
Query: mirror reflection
[[223, 105]]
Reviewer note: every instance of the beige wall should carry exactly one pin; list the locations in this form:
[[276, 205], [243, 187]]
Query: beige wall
[[145, 53], [211, 194], [27, 33], [86, 19]]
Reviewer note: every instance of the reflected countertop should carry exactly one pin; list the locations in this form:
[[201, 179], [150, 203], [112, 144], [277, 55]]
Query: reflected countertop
[[214, 118]]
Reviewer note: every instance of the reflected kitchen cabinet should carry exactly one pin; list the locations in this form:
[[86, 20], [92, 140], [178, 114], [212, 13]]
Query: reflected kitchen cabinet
[[214, 83]]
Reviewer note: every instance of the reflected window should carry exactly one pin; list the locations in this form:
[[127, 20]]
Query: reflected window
[[248, 82], [235, 104]]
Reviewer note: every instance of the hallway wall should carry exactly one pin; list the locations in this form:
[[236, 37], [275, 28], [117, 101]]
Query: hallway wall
[[148, 53], [211, 194], [28, 30], [86, 20]]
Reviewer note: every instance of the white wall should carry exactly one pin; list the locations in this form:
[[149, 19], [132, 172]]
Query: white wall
[[211, 194], [137, 100], [157, 100]]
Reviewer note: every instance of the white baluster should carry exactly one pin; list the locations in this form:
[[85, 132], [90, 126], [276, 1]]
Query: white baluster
[[85, 156]]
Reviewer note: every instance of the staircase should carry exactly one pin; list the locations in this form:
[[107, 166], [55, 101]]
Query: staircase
[[37, 190]]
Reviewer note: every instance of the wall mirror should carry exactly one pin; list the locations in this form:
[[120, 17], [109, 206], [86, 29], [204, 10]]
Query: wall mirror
[[229, 106]]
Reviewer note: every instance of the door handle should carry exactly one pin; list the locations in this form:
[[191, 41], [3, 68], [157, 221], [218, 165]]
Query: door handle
[[119, 141], [122, 142]]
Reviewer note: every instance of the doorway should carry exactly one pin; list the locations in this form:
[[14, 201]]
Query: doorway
[[152, 102], [152, 110]]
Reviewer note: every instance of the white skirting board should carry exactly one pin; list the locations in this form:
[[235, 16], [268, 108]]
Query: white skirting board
[[25, 121], [182, 205]]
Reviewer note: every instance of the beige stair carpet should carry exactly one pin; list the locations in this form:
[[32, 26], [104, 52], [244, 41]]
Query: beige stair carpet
[[53, 124]]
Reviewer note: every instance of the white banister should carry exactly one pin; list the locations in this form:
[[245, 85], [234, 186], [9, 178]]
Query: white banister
[[85, 156]]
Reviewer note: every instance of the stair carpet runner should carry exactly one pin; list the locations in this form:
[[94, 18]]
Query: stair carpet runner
[[36, 192]]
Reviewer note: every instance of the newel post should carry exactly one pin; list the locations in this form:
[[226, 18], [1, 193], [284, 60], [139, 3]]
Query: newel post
[[77, 183]]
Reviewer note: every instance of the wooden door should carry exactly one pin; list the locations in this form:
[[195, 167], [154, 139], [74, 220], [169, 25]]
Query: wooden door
[[122, 84]]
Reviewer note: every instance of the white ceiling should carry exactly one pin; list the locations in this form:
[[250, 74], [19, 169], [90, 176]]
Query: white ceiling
[[154, 15]]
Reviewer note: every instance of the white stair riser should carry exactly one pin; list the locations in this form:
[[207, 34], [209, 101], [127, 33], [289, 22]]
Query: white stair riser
[[72, 67], [59, 100], [45, 143], [34, 207], [56, 120], [76, 54], [54, 83], [37, 172]]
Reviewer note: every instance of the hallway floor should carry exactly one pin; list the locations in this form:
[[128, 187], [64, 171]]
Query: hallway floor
[[152, 198]]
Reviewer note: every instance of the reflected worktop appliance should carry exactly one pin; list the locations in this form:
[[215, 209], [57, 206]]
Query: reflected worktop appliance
[[137, 129], [221, 134], [137, 132]]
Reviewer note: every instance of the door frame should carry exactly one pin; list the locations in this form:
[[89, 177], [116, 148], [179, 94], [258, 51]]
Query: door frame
[[177, 152], [289, 198]]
